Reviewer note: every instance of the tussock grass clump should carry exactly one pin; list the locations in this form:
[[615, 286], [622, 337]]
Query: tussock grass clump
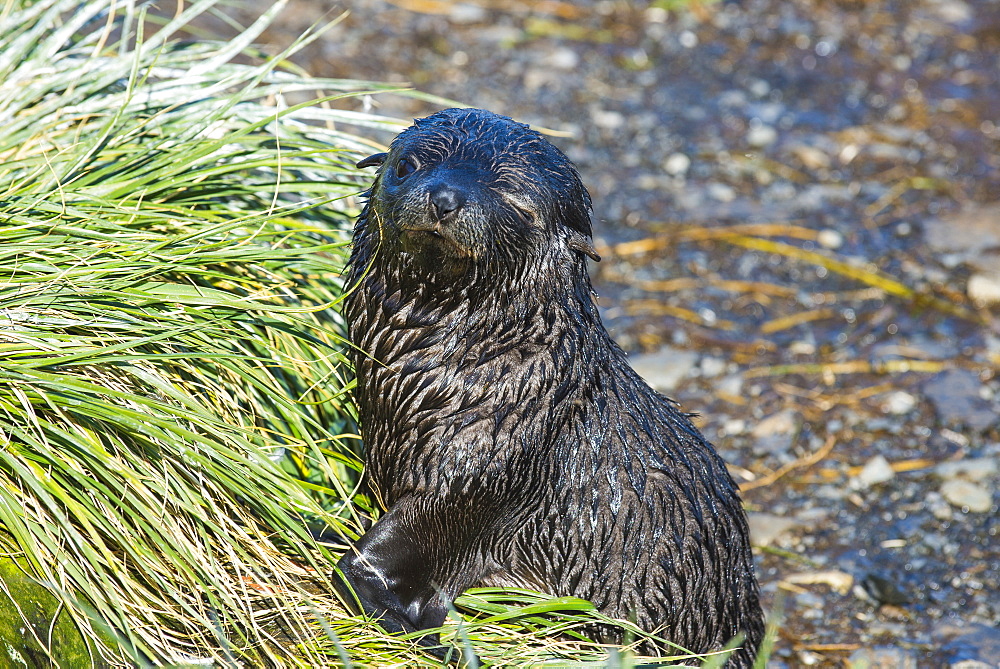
[[171, 237]]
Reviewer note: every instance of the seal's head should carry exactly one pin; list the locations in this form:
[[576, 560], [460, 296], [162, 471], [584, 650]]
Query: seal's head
[[467, 187]]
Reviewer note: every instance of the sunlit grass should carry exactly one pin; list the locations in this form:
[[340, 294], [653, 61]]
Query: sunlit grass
[[171, 237]]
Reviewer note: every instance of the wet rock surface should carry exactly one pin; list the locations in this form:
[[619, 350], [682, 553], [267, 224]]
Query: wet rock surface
[[797, 209]]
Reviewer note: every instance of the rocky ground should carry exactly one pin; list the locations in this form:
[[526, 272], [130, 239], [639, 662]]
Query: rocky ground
[[799, 213]]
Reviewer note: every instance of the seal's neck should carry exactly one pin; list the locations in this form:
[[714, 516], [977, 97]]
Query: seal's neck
[[547, 298]]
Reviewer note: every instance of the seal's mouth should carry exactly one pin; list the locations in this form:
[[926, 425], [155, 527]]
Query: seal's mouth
[[432, 239], [431, 227]]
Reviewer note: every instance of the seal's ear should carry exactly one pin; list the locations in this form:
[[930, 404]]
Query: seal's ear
[[371, 161], [580, 242]]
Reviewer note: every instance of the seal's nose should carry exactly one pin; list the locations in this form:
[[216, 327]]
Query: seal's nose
[[446, 199]]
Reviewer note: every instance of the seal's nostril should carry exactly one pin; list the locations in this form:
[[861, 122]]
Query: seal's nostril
[[446, 199]]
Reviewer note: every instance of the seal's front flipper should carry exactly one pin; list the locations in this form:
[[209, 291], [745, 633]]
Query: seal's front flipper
[[393, 573]]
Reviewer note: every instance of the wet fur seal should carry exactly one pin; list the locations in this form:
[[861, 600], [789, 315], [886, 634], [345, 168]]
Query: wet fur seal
[[507, 438]]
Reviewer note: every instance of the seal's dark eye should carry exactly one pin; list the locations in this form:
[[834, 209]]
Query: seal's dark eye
[[405, 168]]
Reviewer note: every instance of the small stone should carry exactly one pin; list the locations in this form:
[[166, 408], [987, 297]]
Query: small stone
[[967, 495], [993, 346], [783, 422], [876, 470], [839, 581], [464, 13], [809, 605], [730, 385], [808, 658], [830, 239], [969, 231], [656, 14], [882, 657], [665, 368], [608, 119], [937, 505], [938, 543], [970, 469], [733, 426], [899, 402], [955, 395], [984, 288], [953, 11], [676, 164], [766, 528], [802, 347], [712, 366], [563, 59], [774, 434], [720, 192], [968, 646], [759, 88], [811, 157], [833, 493], [761, 135], [848, 153]]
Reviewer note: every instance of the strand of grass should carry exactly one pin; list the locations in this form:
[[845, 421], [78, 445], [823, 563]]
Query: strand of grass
[[755, 236], [696, 233], [515, 627], [834, 369], [658, 308], [867, 275], [697, 282], [793, 320], [899, 189], [791, 556], [818, 455], [771, 628]]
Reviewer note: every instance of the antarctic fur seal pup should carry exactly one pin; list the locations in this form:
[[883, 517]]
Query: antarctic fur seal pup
[[507, 438]]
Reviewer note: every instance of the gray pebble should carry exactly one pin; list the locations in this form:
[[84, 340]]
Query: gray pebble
[[830, 239], [882, 657], [984, 288], [466, 13], [782, 422], [676, 164], [938, 507], [720, 192], [955, 396], [899, 402], [970, 469], [664, 369], [967, 495], [712, 366], [730, 385], [775, 433], [761, 136], [876, 470], [732, 427], [766, 528]]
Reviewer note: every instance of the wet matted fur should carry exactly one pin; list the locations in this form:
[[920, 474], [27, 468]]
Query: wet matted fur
[[507, 437]]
